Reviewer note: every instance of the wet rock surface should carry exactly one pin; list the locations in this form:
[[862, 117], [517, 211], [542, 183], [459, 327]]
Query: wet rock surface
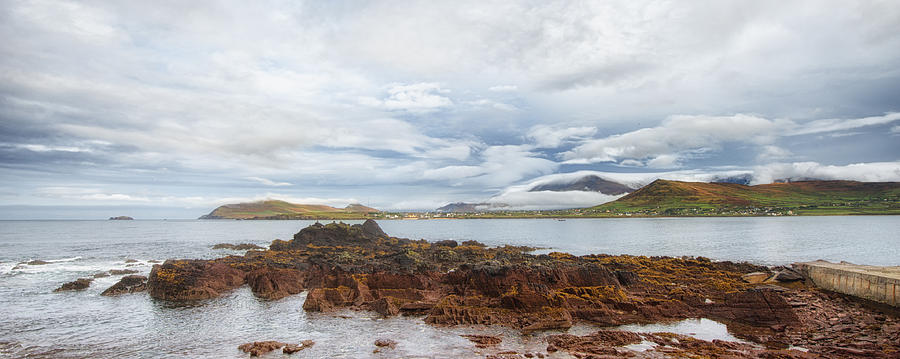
[[256, 349], [122, 271], [275, 283], [483, 341], [614, 344], [237, 247], [78, 284], [386, 343], [359, 267], [128, 284], [180, 280], [293, 348]]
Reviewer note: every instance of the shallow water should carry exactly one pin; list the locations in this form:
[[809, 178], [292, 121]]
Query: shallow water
[[35, 321]]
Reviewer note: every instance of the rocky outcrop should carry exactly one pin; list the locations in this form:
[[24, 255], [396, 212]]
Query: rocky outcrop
[[333, 234], [757, 307], [128, 284], [237, 247], [389, 343], [359, 267], [192, 279], [613, 344], [121, 218], [122, 271], [78, 284], [293, 348], [259, 348], [483, 341], [256, 349], [275, 283]]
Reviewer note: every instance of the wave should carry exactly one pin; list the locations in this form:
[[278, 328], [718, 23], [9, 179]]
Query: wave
[[71, 264], [63, 260]]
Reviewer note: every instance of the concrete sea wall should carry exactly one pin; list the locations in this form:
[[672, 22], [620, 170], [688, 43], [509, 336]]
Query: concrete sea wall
[[880, 284]]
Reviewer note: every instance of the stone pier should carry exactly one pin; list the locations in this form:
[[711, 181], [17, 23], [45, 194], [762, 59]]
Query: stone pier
[[876, 283]]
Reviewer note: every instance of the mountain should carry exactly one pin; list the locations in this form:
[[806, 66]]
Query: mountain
[[662, 197], [463, 207], [589, 183], [743, 179], [274, 209]]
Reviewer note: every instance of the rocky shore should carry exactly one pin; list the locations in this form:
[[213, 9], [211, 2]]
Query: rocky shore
[[360, 267]]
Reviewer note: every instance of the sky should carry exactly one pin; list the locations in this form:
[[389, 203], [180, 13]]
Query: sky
[[167, 109]]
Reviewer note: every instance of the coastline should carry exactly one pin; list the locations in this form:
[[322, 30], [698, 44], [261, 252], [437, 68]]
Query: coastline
[[359, 267]]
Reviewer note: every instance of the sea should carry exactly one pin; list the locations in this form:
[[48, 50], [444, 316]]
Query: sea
[[36, 322]]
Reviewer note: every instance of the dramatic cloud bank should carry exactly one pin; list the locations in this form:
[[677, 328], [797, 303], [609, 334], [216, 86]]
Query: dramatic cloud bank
[[410, 105]]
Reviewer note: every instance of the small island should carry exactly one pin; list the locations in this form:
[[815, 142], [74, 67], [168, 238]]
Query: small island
[[121, 218]]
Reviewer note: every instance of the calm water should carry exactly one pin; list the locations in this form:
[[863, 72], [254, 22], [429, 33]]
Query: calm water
[[34, 321]]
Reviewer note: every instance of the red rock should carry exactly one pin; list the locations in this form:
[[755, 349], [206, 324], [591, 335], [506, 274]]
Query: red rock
[[128, 284], [293, 348], [259, 348], [385, 307], [483, 341], [78, 284], [757, 307], [275, 283], [755, 277], [122, 271], [381, 343], [192, 279]]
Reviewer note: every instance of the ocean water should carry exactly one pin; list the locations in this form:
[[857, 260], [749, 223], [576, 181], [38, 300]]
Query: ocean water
[[35, 322]]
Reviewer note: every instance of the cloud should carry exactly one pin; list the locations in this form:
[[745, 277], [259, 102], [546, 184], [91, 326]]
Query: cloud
[[492, 104], [421, 97], [664, 161], [680, 137], [89, 195], [423, 100], [503, 88], [551, 200], [864, 172], [831, 125], [269, 182], [603, 75], [551, 137], [499, 166], [661, 145], [770, 153], [45, 148]]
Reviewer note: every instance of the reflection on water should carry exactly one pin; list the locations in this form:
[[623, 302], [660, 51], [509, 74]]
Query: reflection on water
[[700, 328]]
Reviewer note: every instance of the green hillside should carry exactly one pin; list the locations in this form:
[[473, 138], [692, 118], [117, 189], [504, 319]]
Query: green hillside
[[274, 209], [675, 198]]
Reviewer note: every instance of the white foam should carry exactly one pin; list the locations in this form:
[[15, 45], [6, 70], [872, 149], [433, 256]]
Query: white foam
[[73, 264], [6, 268], [643, 346], [700, 328]]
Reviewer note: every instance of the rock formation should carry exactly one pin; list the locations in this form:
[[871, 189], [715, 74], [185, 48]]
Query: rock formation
[[237, 247], [192, 279], [128, 284], [259, 348], [78, 284], [360, 267]]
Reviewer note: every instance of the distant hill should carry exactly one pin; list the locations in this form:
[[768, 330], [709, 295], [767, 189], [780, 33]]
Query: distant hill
[[589, 183], [463, 207], [274, 209], [662, 197]]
